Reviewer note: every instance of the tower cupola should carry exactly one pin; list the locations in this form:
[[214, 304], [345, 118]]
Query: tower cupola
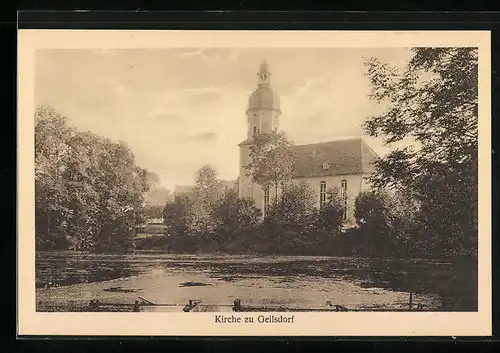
[[264, 98]]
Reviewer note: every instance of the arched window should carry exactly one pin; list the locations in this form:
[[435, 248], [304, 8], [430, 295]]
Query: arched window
[[343, 190], [266, 201], [255, 130], [322, 194]]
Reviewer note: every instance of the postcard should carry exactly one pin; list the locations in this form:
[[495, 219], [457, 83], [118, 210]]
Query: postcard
[[254, 183]]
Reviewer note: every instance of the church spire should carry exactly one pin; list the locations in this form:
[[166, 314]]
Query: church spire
[[264, 74]]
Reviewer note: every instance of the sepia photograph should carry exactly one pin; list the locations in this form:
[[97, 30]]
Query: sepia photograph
[[231, 178]]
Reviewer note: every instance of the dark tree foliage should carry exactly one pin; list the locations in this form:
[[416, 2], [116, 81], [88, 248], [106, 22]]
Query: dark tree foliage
[[176, 213], [209, 218], [153, 211], [387, 223], [295, 209], [234, 212], [237, 220], [330, 217], [432, 106], [293, 225], [89, 192]]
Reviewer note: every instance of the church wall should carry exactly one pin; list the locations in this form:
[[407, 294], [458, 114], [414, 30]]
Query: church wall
[[253, 120], [256, 193], [354, 187], [276, 121], [258, 196], [245, 183], [266, 121]]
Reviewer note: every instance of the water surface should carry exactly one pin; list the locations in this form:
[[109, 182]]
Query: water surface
[[66, 280]]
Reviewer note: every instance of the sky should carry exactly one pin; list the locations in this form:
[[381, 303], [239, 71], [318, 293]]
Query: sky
[[178, 109]]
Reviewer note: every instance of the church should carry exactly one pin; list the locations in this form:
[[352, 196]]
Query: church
[[341, 163]]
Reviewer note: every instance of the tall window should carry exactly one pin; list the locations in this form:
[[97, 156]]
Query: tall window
[[255, 130], [266, 201], [343, 191], [322, 194]]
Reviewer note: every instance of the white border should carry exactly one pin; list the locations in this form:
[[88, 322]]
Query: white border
[[202, 324]]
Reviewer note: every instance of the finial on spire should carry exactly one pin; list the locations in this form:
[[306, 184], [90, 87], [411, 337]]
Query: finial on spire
[[264, 66], [264, 74]]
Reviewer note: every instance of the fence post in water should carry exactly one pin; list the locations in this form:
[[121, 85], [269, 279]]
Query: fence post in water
[[411, 300], [237, 305], [188, 307]]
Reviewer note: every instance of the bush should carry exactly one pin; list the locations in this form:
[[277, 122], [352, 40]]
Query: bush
[[160, 242], [387, 223]]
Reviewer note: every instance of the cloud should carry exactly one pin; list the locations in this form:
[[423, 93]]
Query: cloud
[[174, 101], [211, 55], [204, 97], [203, 137], [164, 117], [194, 53]]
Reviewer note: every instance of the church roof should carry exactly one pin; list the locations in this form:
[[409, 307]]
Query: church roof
[[264, 98], [349, 156]]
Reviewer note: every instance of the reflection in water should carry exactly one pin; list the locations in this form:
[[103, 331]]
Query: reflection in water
[[455, 283], [53, 270]]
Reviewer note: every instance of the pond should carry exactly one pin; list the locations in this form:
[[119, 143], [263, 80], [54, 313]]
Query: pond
[[66, 280]]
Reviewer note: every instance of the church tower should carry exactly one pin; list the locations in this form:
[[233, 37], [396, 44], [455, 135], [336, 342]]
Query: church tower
[[263, 114]]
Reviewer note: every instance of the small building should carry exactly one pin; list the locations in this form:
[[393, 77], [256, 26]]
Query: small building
[[229, 184], [151, 227], [226, 185], [182, 189]]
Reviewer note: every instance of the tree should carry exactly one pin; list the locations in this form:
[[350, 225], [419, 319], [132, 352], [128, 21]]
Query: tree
[[208, 188], [51, 135], [237, 221], [330, 216], [272, 160], [207, 194], [291, 219], [121, 185], [432, 105], [371, 212], [387, 220], [176, 213], [234, 213], [153, 211], [192, 214], [89, 192], [296, 203]]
